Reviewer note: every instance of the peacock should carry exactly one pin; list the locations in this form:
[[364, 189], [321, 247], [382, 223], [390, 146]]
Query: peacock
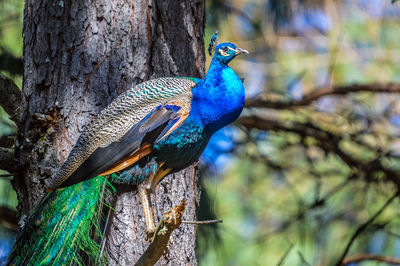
[[156, 128]]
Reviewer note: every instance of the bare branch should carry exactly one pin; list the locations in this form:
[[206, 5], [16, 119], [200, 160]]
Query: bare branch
[[12, 99], [362, 257], [8, 218], [7, 159], [7, 141], [364, 226], [328, 141], [325, 91], [167, 225]]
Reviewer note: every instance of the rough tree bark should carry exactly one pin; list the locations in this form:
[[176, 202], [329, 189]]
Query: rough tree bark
[[79, 55]]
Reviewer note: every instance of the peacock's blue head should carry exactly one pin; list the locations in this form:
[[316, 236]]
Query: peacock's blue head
[[225, 52]]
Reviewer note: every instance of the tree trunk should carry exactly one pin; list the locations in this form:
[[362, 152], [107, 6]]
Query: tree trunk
[[78, 56]]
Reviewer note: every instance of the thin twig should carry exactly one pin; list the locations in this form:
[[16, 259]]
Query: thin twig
[[364, 226], [203, 222], [362, 257], [282, 260], [325, 91], [303, 260]]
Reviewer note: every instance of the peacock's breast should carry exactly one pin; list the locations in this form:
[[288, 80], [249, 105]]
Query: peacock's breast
[[219, 106], [183, 146]]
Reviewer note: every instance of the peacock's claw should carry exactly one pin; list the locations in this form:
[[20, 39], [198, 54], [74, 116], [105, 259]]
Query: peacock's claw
[[149, 234]]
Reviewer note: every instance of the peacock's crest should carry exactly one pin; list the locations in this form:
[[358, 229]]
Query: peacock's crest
[[213, 43]]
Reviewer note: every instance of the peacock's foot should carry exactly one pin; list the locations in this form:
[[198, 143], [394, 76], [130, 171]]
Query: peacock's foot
[[149, 233], [147, 211]]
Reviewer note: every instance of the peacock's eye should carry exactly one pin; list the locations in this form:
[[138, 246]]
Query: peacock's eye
[[226, 49]]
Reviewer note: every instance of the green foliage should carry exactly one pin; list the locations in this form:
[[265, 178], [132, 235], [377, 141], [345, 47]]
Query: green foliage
[[7, 127], [11, 15]]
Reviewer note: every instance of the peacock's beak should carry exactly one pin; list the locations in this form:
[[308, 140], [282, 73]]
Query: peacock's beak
[[240, 51]]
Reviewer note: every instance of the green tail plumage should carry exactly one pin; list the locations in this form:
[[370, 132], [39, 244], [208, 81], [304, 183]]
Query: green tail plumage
[[62, 227]]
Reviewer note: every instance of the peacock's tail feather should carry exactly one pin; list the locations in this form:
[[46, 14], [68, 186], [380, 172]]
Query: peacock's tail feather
[[63, 228]]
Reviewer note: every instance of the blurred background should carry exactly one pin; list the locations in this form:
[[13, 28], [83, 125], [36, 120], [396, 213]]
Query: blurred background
[[309, 173], [11, 65]]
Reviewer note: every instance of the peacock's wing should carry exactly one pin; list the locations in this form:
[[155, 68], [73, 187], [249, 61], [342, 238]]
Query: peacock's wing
[[134, 145], [121, 116]]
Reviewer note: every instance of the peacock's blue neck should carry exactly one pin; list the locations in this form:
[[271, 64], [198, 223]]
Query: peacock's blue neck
[[219, 99]]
